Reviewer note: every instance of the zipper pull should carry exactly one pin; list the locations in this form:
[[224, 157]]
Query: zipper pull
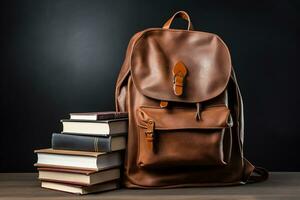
[[198, 112], [150, 134], [230, 121]]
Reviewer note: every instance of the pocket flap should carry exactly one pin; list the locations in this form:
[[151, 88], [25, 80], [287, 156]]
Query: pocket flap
[[216, 117]]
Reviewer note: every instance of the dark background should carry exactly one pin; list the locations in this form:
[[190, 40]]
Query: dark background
[[63, 56]]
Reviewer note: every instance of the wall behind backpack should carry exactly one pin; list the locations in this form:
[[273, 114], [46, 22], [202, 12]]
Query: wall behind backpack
[[61, 56]]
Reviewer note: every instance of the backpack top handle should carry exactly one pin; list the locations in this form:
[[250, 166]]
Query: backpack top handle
[[180, 14]]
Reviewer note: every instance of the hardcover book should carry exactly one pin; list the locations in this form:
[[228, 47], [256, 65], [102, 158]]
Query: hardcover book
[[78, 159], [77, 189], [78, 177], [98, 115], [99, 128], [88, 143]]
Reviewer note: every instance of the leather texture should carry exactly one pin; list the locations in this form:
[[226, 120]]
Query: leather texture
[[157, 51], [186, 125]]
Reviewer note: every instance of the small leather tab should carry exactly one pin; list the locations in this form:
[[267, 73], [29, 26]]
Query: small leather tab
[[179, 74], [150, 134], [163, 104]]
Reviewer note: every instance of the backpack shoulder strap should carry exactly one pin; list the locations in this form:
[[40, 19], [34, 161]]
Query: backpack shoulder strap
[[252, 173]]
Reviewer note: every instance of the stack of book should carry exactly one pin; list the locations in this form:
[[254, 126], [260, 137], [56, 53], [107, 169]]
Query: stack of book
[[87, 155]]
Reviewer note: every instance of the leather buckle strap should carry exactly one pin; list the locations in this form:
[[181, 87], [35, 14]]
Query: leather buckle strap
[[150, 134], [179, 74]]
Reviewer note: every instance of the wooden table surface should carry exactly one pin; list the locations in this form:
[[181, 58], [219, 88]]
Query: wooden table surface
[[281, 185]]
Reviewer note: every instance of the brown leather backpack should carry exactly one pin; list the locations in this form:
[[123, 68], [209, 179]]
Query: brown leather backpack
[[185, 110]]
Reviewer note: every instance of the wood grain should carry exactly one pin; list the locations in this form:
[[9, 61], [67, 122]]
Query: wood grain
[[281, 185]]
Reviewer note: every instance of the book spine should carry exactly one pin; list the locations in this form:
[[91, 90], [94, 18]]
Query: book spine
[[81, 143]]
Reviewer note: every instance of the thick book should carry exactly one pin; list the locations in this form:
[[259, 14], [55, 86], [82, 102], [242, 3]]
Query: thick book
[[78, 177], [77, 189], [78, 159], [99, 127], [98, 115], [88, 143]]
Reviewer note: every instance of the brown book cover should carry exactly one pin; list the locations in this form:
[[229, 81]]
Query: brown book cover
[[67, 170], [59, 176]]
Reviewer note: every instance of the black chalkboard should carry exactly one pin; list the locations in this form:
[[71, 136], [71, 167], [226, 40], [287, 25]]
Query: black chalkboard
[[62, 56]]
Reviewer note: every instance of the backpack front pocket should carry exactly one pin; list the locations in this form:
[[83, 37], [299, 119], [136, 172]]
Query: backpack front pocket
[[172, 137]]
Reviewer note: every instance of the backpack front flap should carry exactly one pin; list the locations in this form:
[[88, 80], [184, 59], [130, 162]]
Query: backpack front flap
[[158, 52]]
